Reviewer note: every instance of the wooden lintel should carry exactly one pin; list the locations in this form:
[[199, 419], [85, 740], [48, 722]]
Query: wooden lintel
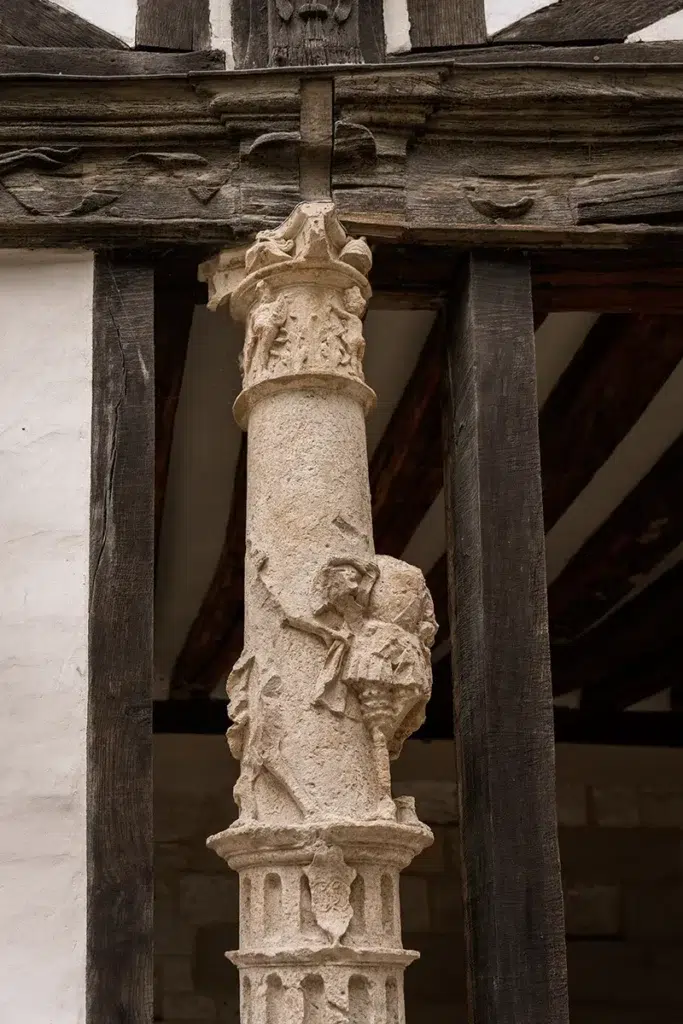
[[419, 157], [102, 62]]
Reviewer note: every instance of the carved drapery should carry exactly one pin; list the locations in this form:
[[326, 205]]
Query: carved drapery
[[336, 669]]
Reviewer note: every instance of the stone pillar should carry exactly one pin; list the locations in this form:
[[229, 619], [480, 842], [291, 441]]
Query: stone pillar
[[336, 671]]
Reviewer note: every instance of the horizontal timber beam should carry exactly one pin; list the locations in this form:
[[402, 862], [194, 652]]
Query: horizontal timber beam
[[602, 394], [638, 630], [624, 729], [431, 153], [103, 62], [639, 534]]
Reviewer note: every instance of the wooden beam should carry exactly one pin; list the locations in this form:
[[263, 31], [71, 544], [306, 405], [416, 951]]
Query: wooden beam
[[173, 25], [504, 715], [666, 52], [643, 678], [77, 60], [627, 729], [119, 758], [42, 23], [639, 630], [175, 288], [642, 531], [570, 21], [621, 366], [406, 473], [648, 196], [436, 23], [214, 642], [608, 280]]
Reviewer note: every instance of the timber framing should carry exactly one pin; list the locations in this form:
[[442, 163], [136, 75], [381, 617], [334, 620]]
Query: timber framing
[[620, 729], [437, 153]]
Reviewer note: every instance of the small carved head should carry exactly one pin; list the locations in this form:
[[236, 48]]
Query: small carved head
[[343, 579]]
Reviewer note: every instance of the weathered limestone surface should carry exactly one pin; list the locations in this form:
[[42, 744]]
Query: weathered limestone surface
[[336, 670]]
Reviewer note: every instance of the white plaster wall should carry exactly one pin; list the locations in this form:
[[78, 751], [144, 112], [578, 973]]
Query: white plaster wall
[[660, 31], [45, 409], [397, 26], [501, 13], [221, 29], [115, 16]]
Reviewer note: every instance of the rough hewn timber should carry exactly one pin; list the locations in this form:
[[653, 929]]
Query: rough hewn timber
[[640, 629], [604, 391], [119, 779], [643, 530], [42, 23], [503, 716], [173, 24], [435, 23], [570, 21], [175, 292]]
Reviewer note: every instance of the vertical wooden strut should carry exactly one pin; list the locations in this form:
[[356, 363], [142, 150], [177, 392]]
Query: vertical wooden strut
[[120, 833], [503, 698]]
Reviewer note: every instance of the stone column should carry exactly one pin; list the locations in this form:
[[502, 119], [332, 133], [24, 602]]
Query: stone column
[[336, 671]]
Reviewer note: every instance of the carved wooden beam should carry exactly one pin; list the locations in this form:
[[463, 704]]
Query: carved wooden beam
[[639, 534], [420, 155], [575, 20], [604, 391], [42, 23], [636, 632], [215, 639]]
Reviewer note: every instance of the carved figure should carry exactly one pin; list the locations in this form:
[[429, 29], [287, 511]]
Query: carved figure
[[266, 332], [255, 738], [377, 620]]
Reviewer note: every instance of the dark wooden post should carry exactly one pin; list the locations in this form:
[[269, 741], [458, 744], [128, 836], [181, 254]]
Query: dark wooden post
[[503, 698], [119, 770]]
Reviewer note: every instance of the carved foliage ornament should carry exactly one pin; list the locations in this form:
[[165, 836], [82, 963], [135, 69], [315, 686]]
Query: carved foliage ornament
[[302, 290]]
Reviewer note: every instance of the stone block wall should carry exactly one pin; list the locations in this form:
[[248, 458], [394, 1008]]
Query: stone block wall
[[621, 839]]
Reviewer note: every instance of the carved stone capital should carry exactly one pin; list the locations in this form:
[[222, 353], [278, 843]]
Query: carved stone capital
[[302, 291]]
